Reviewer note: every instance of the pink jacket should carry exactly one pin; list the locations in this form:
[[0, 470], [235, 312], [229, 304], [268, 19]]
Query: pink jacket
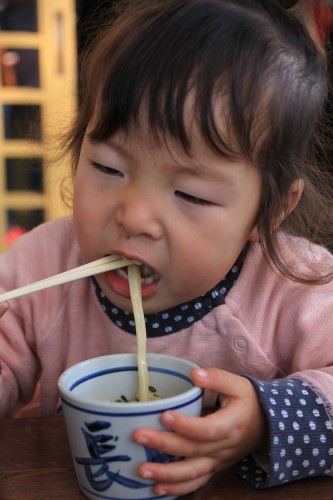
[[269, 327]]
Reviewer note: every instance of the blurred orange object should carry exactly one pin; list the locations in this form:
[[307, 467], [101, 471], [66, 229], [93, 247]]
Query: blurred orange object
[[13, 233]]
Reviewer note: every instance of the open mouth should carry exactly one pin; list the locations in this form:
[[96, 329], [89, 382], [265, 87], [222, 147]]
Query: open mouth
[[148, 275]]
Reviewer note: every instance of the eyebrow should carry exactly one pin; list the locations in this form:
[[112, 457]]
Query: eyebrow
[[203, 171], [206, 171], [194, 169], [111, 144]]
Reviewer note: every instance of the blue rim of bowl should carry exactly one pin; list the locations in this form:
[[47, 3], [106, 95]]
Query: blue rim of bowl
[[133, 414], [128, 369], [197, 395]]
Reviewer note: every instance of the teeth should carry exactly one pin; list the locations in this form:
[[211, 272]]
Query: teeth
[[148, 281], [147, 275], [146, 270], [122, 273]]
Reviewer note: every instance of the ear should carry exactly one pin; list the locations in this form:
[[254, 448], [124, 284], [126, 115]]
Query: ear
[[254, 236], [295, 193]]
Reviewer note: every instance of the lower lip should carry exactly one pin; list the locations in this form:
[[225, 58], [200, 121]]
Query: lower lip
[[121, 286]]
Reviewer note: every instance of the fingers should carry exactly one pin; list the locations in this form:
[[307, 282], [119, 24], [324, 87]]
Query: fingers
[[199, 429], [209, 443], [175, 443], [184, 470], [202, 460], [3, 308], [210, 432], [178, 478], [221, 381], [178, 489]]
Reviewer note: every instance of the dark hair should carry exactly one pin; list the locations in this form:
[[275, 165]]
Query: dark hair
[[250, 62]]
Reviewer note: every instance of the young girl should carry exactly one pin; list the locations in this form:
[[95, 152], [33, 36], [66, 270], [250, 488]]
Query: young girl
[[193, 155]]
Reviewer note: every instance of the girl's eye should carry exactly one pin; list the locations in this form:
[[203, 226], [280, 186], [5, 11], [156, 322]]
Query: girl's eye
[[106, 170], [192, 199]]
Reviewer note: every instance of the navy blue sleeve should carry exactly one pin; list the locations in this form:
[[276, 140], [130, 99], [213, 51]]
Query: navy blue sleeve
[[301, 435]]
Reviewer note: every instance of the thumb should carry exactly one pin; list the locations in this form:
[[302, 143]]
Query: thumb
[[221, 381]]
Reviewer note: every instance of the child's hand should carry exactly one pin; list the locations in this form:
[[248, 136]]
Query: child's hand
[[208, 444], [3, 308]]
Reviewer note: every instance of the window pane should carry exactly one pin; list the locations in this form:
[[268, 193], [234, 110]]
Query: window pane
[[19, 15], [20, 67], [21, 221], [24, 174], [22, 121], [24, 219]]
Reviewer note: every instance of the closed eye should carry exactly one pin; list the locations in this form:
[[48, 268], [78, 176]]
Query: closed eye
[[192, 199], [106, 170]]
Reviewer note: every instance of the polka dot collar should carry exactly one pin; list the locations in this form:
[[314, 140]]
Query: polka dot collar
[[176, 318]]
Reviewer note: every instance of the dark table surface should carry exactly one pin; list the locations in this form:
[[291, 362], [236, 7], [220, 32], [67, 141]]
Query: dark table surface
[[35, 463]]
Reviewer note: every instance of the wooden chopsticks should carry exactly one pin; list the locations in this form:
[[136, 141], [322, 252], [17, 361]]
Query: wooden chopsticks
[[96, 267]]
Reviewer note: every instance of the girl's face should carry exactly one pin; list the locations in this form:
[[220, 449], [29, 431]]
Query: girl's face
[[186, 218]]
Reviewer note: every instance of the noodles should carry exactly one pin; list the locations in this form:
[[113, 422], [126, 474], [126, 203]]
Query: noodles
[[134, 278]]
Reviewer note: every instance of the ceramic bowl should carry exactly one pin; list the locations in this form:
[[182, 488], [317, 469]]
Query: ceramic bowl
[[100, 428]]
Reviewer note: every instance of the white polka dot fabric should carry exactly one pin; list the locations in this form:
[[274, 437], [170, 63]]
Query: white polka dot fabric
[[301, 435]]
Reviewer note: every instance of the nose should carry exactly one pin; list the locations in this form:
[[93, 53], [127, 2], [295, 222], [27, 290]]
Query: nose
[[139, 214]]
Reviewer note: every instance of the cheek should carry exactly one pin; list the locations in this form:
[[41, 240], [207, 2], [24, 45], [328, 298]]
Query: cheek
[[84, 203], [79, 213], [198, 265], [77, 198], [205, 257], [84, 222], [82, 231]]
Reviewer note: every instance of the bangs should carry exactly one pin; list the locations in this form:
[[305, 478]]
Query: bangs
[[232, 69], [160, 77]]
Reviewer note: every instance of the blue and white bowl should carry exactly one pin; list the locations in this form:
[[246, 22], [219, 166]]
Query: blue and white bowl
[[100, 429]]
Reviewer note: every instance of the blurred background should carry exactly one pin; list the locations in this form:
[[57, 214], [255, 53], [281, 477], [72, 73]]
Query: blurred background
[[40, 41], [40, 45]]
